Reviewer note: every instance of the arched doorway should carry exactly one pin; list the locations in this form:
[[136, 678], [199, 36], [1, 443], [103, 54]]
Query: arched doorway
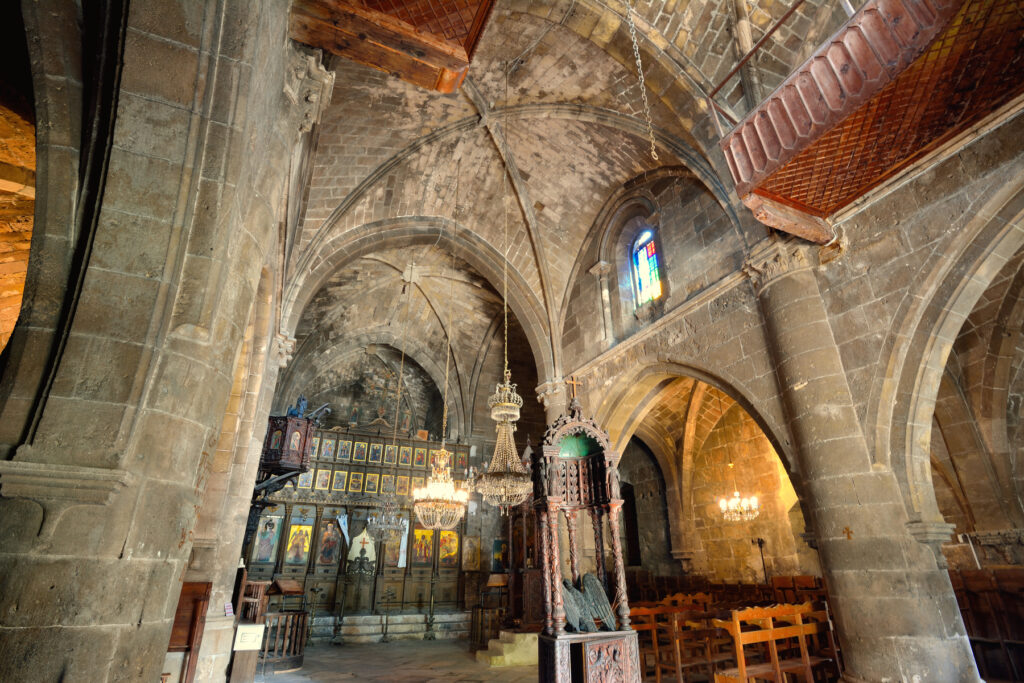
[[17, 167]]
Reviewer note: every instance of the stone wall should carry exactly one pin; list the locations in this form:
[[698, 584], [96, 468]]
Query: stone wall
[[638, 468], [365, 388], [729, 552], [126, 430], [699, 246]]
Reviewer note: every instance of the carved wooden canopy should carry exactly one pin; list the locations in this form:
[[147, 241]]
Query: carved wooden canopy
[[575, 463]]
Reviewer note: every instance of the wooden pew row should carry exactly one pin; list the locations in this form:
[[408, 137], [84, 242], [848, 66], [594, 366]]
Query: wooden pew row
[[683, 640]]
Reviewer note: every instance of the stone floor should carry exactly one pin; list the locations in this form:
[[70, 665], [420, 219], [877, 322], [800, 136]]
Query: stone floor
[[406, 661]]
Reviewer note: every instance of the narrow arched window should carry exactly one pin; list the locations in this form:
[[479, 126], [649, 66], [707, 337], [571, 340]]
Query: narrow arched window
[[646, 269]]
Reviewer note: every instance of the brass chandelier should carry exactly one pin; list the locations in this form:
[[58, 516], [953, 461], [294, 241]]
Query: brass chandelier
[[506, 483]]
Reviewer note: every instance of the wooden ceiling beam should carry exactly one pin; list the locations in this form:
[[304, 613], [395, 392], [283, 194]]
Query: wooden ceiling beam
[[313, 21]]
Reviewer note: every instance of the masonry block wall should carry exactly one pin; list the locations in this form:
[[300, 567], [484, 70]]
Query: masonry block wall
[[142, 383], [638, 469], [729, 552]]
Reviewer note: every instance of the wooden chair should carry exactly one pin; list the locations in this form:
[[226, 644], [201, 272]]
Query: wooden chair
[[695, 646], [679, 599], [809, 589], [782, 587], [774, 626], [644, 620], [824, 643]]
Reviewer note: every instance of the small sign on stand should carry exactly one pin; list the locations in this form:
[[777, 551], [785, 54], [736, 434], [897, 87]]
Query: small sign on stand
[[249, 637]]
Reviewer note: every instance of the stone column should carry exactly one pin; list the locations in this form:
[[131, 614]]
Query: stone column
[[553, 395], [895, 610], [601, 270]]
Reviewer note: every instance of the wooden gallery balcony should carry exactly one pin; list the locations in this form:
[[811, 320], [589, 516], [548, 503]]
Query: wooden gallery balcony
[[898, 83]]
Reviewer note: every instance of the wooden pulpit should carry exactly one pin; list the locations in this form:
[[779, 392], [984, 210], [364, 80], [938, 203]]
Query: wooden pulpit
[[575, 472]]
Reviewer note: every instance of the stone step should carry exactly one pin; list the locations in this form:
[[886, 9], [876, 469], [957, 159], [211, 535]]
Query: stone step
[[510, 649], [369, 628]]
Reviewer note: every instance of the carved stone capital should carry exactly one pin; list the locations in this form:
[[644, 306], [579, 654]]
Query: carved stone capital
[[284, 347], [547, 390], [56, 488], [933, 534], [787, 219], [773, 258], [307, 85], [600, 269], [685, 559]]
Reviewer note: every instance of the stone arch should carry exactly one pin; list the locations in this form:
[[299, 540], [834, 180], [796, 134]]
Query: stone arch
[[425, 230], [904, 396], [636, 393], [413, 349], [56, 76], [695, 162], [657, 54], [632, 198], [639, 388]]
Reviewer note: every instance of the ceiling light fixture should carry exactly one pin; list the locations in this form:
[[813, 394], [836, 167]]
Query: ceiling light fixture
[[736, 508], [440, 504], [507, 482]]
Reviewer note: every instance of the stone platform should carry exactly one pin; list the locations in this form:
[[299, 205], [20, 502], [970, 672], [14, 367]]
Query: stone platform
[[369, 628], [411, 661]]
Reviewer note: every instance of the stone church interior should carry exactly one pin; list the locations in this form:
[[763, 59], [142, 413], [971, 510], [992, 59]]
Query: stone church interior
[[512, 340]]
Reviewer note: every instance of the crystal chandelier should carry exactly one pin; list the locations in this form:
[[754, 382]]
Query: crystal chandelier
[[385, 522], [506, 483], [738, 509], [440, 504]]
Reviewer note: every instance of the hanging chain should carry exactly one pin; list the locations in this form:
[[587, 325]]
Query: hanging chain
[[451, 308], [504, 275], [401, 365], [504, 208], [640, 78]]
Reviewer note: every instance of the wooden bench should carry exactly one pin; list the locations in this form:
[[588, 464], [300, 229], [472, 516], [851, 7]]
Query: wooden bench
[[773, 626]]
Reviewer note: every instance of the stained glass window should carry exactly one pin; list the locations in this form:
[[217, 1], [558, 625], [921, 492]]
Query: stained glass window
[[646, 273]]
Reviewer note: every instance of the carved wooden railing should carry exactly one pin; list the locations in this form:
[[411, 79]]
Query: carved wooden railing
[[284, 641]]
